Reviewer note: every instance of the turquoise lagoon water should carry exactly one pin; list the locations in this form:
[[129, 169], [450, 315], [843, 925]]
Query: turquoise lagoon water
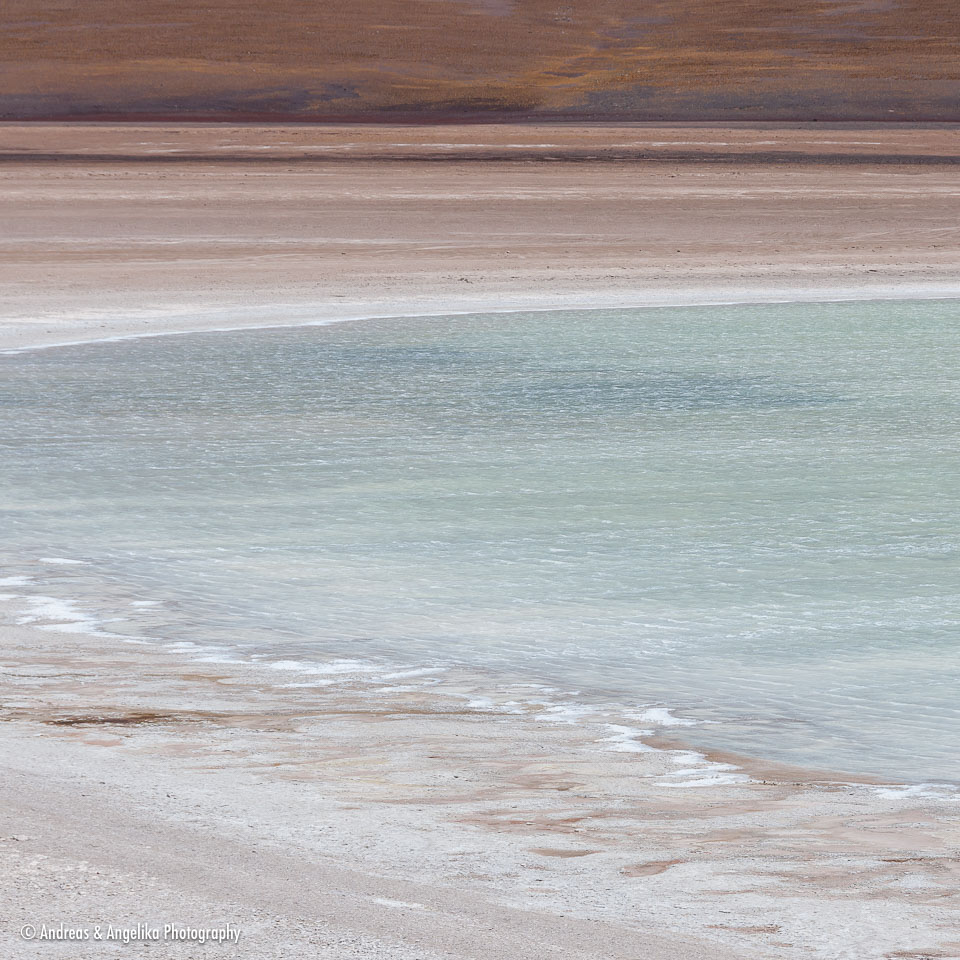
[[749, 514]]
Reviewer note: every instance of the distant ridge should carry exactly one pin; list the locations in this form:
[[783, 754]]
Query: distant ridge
[[456, 60]]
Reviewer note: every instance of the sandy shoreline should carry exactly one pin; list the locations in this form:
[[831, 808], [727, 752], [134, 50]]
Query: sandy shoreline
[[93, 250], [426, 822], [123, 329], [327, 822]]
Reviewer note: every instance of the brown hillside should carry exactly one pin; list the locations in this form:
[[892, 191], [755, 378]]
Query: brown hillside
[[483, 59]]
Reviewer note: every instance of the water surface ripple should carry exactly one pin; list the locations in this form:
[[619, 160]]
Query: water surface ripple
[[748, 513]]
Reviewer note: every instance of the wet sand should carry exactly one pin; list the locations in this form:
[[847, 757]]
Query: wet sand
[[343, 821]]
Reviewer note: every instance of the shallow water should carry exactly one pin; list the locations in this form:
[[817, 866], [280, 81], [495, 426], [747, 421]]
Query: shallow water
[[749, 514]]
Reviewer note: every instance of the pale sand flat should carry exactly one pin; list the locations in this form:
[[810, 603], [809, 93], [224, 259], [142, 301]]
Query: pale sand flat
[[149, 246]]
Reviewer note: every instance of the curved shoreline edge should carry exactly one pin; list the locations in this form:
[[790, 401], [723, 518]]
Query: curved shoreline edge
[[198, 323], [416, 832], [57, 614], [768, 765]]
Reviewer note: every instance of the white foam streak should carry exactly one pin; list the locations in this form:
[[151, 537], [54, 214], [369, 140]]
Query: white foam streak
[[337, 667], [920, 791], [702, 772], [627, 739], [63, 616], [662, 717], [566, 713], [406, 674]]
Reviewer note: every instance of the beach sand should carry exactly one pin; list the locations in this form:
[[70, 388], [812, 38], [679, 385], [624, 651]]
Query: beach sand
[[143, 784]]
